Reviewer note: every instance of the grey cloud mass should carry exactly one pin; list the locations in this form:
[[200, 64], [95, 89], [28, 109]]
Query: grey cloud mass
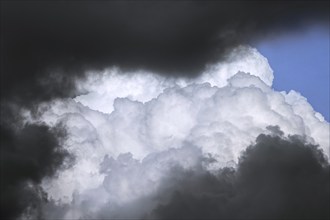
[[28, 154], [276, 179]]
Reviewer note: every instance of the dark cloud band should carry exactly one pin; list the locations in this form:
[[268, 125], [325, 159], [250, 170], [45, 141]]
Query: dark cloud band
[[171, 38]]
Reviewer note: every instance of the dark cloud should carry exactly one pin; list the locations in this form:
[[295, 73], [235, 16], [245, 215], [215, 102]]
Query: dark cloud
[[28, 154], [42, 38], [47, 45], [277, 178]]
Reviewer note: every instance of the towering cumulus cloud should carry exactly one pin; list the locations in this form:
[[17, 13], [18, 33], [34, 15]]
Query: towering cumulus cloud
[[152, 146], [125, 109]]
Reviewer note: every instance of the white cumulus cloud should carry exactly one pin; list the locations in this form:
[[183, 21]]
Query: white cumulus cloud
[[129, 129]]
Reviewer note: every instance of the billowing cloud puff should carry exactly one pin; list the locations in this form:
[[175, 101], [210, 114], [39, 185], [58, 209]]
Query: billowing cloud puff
[[129, 130], [103, 89]]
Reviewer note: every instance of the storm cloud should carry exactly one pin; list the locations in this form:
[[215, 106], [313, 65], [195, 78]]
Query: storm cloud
[[95, 95], [29, 152], [139, 137], [277, 178], [47, 45]]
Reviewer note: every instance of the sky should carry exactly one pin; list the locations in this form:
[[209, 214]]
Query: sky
[[164, 110], [304, 55]]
